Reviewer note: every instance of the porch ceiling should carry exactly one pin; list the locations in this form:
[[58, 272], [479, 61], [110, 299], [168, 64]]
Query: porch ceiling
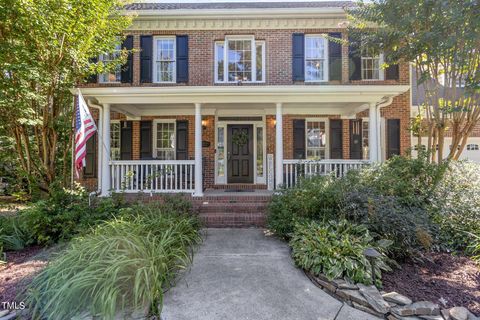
[[240, 109], [308, 94]]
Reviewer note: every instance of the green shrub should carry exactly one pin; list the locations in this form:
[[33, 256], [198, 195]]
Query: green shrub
[[455, 205], [336, 250], [124, 265], [65, 214], [316, 198], [474, 248], [387, 217], [412, 181]]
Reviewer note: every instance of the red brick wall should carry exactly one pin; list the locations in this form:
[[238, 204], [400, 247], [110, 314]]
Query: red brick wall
[[278, 48]]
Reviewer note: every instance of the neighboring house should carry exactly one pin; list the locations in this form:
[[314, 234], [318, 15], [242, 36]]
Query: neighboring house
[[241, 95], [472, 149]]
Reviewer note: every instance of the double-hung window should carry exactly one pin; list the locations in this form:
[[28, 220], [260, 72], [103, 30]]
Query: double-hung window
[[114, 75], [316, 136], [371, 64], [316, 58], [164, 64], [115, 140], [239, 58], [472, 147], [164, 140]]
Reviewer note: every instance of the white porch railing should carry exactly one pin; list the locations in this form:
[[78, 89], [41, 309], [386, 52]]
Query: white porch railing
[[293, 170], [153, 176]]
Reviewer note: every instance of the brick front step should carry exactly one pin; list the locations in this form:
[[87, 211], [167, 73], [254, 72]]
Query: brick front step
[[232, 207], [240, 186], [235, 220]]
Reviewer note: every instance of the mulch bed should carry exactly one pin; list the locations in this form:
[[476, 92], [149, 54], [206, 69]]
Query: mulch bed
[[18, 272], [442, 278]]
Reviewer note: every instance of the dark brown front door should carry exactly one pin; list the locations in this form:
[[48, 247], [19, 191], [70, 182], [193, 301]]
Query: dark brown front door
[[240, 153]]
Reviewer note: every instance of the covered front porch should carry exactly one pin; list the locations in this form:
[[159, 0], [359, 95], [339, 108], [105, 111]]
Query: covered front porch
[[191, 139]]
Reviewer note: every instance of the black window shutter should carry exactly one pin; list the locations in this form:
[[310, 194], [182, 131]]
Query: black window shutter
[[336, 139], [146, 44], [335, 57], [393, 137], [182, 59], [354, 62], [126, 140], [182, 139], [299, 139], [356, 139], [90, 169], [146, 140], [127, 68], [298, 57], [94, 77], [392, 72]]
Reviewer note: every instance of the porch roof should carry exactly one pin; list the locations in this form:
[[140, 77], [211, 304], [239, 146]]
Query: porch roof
[[309, 94]]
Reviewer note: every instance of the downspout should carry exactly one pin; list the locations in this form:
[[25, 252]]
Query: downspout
[[99, 148], [385, 102]]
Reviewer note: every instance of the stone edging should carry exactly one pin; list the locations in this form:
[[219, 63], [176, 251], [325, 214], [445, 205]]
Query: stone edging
[[391, 305]]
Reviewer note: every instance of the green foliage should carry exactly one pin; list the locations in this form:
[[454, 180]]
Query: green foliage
[[123, 266], [336, 250], [415, 204], [474, 248], [455, 205], [65, 214], [46, 48], [387, 217], [316, 198]]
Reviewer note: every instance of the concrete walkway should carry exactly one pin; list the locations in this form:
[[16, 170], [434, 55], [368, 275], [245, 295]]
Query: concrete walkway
[[241, 274]]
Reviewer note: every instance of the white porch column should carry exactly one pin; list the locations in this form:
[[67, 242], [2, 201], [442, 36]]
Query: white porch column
[[105, 142], [279, 146], [379, 134], [372, 132], [198, 151], [99, 148]]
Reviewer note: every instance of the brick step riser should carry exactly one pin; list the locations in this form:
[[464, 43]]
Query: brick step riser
[[239, 222], [227, 201], [262, 210]]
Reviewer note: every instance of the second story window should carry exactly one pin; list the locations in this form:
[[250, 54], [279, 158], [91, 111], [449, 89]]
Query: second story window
[[371, 65], [164, 65], [316, 58], [239, 58], [113, 76]]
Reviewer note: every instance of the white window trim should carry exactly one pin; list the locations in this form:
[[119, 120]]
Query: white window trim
[[154, 58], [155, 133], [225, 58], [327, 133], [102, 58], [119, 137], [381, 70], [325, 62], [366, 120]]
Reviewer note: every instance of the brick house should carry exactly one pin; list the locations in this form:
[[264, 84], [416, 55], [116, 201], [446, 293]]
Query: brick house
[[250, 95]]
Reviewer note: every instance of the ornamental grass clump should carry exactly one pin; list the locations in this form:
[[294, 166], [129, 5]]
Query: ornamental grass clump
[[125, 265], [336, 249]]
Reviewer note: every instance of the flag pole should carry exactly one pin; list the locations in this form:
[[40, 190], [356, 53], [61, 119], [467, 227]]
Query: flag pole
[[72, 132]]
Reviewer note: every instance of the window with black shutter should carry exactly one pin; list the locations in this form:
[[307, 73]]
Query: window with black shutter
[[146, 135], [182, 140], [298, 57], [126, 140], [299, 139], [182, 59], [127, 68], [335, 57], [146, 59], [354, 61], [393, 137], [90, 169], [336, 139]]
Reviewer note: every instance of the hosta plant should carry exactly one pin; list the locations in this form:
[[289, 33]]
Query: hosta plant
[[336, 249]]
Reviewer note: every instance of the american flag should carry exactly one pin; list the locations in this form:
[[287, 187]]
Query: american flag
[[84, 128]]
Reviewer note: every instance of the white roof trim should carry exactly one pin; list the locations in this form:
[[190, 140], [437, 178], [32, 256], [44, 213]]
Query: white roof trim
[[244, 94]]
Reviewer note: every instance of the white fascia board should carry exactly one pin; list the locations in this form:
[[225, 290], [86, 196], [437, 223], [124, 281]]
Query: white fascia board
[[223, 13]]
